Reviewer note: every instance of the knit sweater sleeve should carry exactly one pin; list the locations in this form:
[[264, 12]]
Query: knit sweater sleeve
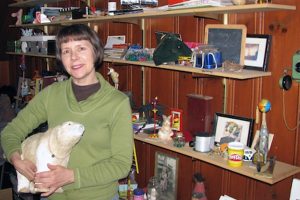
[[118, 165], [26, 121]]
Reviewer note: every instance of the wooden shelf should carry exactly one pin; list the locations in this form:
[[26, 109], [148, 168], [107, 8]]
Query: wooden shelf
[[29, 3], [281, 170], [31, 54], [244, 74], [210, 12]]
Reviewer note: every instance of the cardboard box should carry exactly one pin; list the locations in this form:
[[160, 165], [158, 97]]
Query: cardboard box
[[6, 194]]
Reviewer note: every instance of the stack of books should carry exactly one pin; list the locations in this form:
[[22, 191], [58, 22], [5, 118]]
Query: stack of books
[[117, 51]]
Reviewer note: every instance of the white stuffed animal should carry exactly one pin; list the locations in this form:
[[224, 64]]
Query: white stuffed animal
[[53, 146], [165, 132], [114, 76]]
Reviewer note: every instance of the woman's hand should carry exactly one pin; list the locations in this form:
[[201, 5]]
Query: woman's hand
[[57, 177], [25, 167]]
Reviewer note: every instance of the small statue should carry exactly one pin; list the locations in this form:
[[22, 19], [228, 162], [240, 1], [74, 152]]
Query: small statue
[[18, 15], [114, 76], [199, 189], [165, 133]]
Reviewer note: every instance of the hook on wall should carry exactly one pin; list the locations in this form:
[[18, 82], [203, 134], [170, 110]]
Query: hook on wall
[[278, 26]]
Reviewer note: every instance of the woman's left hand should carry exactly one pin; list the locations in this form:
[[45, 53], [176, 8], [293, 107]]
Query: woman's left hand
[[57, 177]]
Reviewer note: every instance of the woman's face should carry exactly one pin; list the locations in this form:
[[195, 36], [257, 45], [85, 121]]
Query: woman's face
[[78, 60]]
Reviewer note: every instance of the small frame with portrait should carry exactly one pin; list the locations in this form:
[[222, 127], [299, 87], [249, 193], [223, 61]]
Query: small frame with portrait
[[257, 52], [176, 119], [230, 128]]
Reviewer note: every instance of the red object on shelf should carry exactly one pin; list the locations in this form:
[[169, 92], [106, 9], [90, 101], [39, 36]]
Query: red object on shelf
[[171, 2]]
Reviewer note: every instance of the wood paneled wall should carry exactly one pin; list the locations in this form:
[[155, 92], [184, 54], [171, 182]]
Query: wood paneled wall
[[237, 97]]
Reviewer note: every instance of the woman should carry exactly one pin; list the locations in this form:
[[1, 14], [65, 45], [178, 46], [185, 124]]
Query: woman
[[104, 153]]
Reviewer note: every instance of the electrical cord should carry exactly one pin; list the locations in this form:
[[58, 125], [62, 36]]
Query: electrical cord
[[284, 115]]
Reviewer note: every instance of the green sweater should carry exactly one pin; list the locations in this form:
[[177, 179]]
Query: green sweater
[[104, 153]]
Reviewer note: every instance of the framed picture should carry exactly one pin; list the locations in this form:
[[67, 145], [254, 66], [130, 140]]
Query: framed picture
[[257, 52], [166, 170], [230, 128], [176, 119]]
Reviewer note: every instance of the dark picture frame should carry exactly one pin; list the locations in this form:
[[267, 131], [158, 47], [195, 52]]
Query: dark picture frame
[[257, 52], [166, 170], [229, 128]]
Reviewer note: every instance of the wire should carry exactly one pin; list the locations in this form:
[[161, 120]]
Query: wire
[[284, 115]]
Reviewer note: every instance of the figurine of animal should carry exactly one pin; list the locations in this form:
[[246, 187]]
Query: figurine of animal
[[18, 15], [114, 76], [165, 132], [53, 146]]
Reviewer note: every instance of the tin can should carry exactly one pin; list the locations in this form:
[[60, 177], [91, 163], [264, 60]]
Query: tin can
[[235, 154]]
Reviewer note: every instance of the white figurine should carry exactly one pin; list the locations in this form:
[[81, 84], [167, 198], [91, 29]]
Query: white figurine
[[18, 15], [114, 76], [165, 133]]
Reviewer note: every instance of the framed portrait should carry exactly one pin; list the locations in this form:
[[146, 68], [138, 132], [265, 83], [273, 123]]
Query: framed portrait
[[176, 119], [230, 128], [166, 170], [257, 50]]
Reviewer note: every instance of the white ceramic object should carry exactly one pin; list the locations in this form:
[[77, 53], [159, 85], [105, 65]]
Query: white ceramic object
[[239, 2]]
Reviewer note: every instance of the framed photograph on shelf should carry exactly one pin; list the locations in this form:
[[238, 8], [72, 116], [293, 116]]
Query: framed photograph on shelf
[[230, 128], [257, 52], [166, 170], [176, 119]]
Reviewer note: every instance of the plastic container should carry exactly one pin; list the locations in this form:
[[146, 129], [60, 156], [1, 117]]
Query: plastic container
[[138, 194], [235, 154]]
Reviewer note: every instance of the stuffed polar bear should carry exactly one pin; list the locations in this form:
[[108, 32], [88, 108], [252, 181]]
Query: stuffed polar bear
[[53, 146]]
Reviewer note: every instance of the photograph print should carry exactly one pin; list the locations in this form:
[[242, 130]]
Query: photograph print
[[230, 128], [166, 172], [257, 52]]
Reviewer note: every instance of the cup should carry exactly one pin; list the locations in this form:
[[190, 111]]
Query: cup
[[235, 154]]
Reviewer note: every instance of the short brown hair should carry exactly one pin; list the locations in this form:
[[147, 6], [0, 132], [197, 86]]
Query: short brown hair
[[79, 32]]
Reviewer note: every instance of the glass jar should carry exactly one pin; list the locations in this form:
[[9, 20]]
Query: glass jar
[[179, 140], [153, 189]]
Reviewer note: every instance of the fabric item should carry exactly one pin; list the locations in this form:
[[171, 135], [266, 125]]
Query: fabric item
[[104, 153], [169, 49]]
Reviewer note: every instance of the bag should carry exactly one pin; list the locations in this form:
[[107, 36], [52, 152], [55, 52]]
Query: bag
[[169, 49]]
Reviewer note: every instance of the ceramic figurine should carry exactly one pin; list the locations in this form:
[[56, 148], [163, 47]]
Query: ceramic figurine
[[165, 133], [18, 15], [114, 76]]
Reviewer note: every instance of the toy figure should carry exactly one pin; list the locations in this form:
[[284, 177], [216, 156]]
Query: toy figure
[[114, 76], [18, 15], [199, 189], [165, 133]]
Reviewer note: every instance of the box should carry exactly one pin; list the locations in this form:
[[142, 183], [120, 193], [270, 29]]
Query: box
[[44, 44], [6, 194]]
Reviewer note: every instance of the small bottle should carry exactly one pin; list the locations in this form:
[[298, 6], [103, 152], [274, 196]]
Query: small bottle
[[264, 140]]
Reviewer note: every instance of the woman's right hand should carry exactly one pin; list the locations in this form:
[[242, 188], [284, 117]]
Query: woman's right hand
[[25, 167]]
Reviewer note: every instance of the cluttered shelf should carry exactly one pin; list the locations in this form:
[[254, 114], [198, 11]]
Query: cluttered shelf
[[243, 74], [207, 11], [29, 3], [31, 54], [281, 170]]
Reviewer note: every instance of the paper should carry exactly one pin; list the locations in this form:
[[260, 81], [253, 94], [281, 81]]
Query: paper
[[116, 39]]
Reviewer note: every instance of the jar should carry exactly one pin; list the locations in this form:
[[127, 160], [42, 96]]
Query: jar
[[179, 140], [153, 189], [138, 194]]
